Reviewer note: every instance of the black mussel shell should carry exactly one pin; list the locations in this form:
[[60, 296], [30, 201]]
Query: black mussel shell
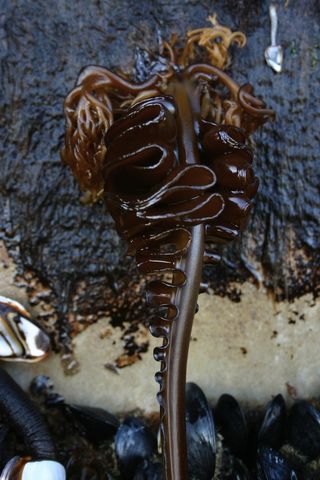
[[239, 471], [233, 425], [41, 386], [201, 435], [149, 471], [272, 430], [4, 430], [99, 425], [77, 468], [83, 473], [272, 466], [303, 430], [134, 443], [86, 473]]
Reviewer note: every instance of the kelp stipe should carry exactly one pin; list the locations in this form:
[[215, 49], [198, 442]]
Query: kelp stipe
[[171, 160]]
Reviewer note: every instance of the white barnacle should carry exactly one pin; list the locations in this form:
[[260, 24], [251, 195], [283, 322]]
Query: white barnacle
[[22, 469], [44, 469]]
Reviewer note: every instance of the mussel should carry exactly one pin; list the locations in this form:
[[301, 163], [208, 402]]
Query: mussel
[[272, 465], [99, 424], [239, 471], [149, 471], [233, 424], [303, 431], [272, 430], [201, 435], [96, 423], [134, 443]]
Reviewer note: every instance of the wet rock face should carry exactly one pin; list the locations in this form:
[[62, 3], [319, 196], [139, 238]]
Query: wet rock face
[[72, 248]]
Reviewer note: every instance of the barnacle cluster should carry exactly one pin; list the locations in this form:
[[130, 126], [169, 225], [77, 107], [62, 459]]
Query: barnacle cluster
[[170, 158]]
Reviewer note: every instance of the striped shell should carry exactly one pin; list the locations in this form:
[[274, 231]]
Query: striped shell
[[20, 338]]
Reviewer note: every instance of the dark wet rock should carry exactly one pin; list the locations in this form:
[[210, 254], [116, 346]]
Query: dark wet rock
[[232, 424], [201, 435], [272, 430], [272, 466], [303, 431], [133, 443], [149, 471]]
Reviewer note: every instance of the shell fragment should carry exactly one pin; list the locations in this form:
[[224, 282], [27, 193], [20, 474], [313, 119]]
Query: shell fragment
[[274, 53], [20, 338]]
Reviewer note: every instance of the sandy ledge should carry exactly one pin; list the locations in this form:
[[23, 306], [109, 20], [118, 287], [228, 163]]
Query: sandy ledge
[[253, 349]]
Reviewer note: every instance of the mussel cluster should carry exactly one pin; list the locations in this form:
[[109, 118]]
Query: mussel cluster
[[275, 443]]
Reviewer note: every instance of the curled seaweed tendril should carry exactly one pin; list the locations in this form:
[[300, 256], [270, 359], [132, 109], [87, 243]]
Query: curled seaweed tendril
[[171, 160], [216, 41]]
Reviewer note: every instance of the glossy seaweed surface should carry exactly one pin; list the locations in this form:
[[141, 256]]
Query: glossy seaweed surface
[[170, 158]]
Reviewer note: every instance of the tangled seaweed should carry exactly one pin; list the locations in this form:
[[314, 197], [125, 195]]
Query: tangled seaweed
[[170, 158]]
